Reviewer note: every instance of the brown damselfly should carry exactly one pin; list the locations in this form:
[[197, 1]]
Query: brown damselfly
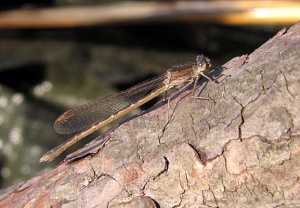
[[88, 118]]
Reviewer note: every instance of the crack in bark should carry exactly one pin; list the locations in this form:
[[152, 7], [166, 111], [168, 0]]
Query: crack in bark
[[181, 194], [214, 196], [240, 136], [164, 170], [201, 155], [287, 85]]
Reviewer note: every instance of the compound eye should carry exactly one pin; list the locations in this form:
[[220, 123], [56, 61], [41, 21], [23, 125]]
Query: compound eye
[[200, 62], [200, 59]]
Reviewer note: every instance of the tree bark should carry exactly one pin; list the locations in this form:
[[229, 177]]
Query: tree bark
[[238, 148]]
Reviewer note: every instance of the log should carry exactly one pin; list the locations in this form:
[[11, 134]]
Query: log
[[238, 148]]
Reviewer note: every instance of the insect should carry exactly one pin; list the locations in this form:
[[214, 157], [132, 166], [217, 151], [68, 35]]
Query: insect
[[88, 118]]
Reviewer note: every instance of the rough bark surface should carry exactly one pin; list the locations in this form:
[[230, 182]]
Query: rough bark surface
[[240, 148]]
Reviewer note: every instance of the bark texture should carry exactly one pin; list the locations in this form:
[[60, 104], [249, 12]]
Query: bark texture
[[239, 148]]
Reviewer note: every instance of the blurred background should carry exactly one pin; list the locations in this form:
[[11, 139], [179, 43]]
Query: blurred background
[[58, 54]]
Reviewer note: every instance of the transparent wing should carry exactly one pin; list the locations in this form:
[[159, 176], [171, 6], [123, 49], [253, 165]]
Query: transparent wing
[[85, 116]]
